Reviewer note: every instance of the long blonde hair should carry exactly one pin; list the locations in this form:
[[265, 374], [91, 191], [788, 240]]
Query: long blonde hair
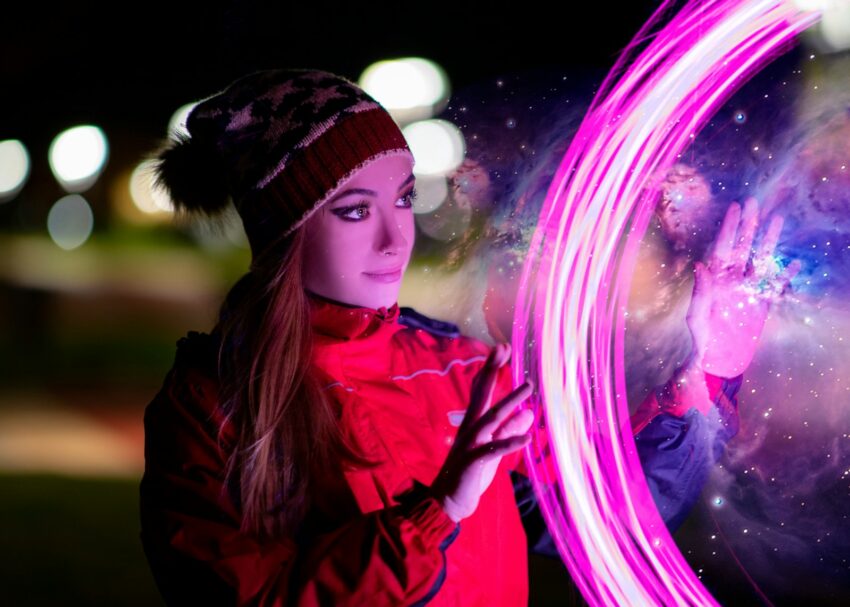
[[286, 425]]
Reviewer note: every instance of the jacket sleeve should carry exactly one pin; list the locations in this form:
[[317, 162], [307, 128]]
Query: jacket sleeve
[[191, 535], [678, 439]]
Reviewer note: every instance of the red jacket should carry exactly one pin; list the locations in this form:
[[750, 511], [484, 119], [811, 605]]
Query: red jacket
[[402, 392]]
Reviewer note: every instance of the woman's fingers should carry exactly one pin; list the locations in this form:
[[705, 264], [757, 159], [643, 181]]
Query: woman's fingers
[[764, 265], [516, 425], [722, 252], [499, 448], [484, 383], [770, 238], [700, 306], [494, 418], [746, 232]]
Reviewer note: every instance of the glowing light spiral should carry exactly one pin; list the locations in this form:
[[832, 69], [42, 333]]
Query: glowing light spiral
[[569, 333]]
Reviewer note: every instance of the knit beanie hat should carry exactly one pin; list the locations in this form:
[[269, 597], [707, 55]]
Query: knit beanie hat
[[294, 133]]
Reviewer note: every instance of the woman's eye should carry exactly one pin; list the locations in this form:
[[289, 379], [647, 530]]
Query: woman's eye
[[352, 213], [408, 198], [359, 212]]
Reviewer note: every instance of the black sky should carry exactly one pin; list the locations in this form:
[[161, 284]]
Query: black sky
[[128, 66]]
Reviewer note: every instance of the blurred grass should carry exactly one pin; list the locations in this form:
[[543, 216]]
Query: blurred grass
[[71, 541]]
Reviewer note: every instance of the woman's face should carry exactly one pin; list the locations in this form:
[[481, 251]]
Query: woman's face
[[358, 244]]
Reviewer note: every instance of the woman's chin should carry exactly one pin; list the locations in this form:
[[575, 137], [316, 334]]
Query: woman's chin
[[377, 295]]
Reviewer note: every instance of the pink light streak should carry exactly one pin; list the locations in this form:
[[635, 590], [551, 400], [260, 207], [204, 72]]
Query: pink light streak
[[570, 327]]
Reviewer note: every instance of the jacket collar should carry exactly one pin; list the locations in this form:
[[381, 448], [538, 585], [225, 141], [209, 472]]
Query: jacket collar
[[348, 322]]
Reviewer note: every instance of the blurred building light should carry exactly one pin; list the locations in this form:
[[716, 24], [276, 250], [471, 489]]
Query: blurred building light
[[437, 145], [70, 221], [410, 88], [832, 33], [177, 124], [14, 168], [77, 157], [148, 199]]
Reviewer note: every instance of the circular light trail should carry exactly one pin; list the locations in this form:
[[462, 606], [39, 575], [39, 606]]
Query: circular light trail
[[569, 329]]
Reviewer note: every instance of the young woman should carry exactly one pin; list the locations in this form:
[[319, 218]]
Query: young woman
[[322, 445]]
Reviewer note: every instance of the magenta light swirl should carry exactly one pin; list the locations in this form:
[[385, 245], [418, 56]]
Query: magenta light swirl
[[570, 326]]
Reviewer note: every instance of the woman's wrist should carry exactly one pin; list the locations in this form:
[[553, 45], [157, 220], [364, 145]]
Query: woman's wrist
[[688, 388], [440, 493], [451, 508]]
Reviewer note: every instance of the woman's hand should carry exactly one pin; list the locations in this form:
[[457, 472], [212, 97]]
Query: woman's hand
[[486, 434], [732, 293]]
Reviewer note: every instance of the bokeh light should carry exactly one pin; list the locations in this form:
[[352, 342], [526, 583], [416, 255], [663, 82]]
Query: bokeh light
[[409, 88], [14, 168], [835, 27], [148, 199], [77, 157], [437, 145], [431, 192], [70, 221], [832, 33]]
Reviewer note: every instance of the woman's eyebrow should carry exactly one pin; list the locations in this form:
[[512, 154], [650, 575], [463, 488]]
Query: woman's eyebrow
[[367, 192]]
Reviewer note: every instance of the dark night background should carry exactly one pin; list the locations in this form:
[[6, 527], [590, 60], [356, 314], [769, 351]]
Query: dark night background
[[88, 352]]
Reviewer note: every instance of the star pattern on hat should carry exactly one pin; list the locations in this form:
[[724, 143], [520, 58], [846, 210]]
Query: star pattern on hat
[[293, 125], [240, 118], [277, 94], [322, 97]]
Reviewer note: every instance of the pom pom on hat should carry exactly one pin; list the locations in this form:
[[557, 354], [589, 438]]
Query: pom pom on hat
[[193, 176]]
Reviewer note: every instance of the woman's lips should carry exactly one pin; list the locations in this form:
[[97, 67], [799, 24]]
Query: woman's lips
[[385, 276]]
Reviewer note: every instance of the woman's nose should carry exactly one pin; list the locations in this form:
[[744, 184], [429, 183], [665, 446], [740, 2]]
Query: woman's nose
[[391, 239]]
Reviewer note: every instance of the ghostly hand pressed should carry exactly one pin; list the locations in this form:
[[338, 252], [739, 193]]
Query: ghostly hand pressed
[[733, 292]]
